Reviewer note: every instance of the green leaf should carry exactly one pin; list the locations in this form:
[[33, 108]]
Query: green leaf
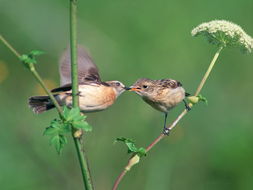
[[202, 98], [82, 125], [66, 111], [56, 131], [51, 131], [58, 141], [74, 114], [36, 52], [63, 139], [142, 152], [27, 59], [74, 117], [132, 147]]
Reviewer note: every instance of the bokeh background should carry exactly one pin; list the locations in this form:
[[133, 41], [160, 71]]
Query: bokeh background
[[212, 148]]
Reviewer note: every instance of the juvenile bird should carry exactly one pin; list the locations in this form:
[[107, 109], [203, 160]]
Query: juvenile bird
[[94, 95], [162, 94]]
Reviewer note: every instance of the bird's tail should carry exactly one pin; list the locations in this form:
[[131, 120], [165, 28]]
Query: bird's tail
[[40, 104]]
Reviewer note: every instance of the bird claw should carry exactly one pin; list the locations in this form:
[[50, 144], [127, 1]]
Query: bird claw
[[188, 108], [166, 131]]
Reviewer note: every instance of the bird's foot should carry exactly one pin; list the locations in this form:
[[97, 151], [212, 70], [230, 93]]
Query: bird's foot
[[187, 107], [166, 131]]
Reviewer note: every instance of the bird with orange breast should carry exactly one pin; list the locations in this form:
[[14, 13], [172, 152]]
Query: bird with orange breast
[[94, 95]]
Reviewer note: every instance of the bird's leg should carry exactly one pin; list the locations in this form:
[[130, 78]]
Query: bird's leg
[[166, 130], [188, 108]]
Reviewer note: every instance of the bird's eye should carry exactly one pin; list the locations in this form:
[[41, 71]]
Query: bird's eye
[[117, 84], [145, 86]]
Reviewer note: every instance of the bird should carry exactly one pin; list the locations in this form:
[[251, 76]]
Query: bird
[[94, 94], [163, 95]]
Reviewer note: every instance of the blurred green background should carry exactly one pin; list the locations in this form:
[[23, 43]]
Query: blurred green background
[[212, 148]]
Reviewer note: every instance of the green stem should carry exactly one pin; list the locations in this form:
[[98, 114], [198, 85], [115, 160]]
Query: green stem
[[75, 98], [36, 75], [73, 50], [208, 71], [38, 78], [9, 46], [175, 122]]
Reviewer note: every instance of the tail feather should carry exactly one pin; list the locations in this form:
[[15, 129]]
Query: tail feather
[[40, 104]]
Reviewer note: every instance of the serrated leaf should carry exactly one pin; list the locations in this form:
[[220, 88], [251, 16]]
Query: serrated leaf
[[65, 112], [65, 128], [74, 114], [51, 131], [56, 123], [55, 141], [132, 147], [63, 140], [82, 125], [58, 141]]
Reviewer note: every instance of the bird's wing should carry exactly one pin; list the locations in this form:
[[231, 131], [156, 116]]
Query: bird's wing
[[87, 70], [64, 88], [168, 83]]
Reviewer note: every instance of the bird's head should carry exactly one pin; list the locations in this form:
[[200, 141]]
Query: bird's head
[[143, 87], [118, 86], [147, 88]]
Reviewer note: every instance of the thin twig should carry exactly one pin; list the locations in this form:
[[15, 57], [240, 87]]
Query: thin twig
[[118, 180], [75, 98], [9, 46], [35, 74], [171, 126]]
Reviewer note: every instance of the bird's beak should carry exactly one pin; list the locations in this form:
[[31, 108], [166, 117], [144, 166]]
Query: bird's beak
[[127, 88], [133, 88]]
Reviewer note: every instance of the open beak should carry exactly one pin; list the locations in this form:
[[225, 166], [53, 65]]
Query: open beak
[[132, 88]]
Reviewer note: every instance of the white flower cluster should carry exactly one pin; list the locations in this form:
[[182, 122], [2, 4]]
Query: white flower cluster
[[224, 33]]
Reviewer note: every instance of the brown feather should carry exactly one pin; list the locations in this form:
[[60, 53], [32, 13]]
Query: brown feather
[[87, 69]]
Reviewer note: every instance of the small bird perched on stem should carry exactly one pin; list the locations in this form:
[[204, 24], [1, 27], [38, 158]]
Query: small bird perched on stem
[[163, 95], [94, 95]]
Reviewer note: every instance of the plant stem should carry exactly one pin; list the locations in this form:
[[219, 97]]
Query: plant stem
[[75, 98], [9, 46], [73, 50], [36, 75], [203, 81], [183, 113], [119, 178]]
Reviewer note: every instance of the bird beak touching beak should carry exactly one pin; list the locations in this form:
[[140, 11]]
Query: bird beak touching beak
[[127, 88], [133, 88]]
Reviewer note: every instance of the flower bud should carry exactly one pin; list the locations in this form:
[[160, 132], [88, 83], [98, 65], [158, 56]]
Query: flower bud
[[134, 160], [193, 99]]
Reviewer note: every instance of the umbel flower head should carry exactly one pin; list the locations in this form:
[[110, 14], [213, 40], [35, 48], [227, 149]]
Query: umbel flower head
[[224, 33]]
